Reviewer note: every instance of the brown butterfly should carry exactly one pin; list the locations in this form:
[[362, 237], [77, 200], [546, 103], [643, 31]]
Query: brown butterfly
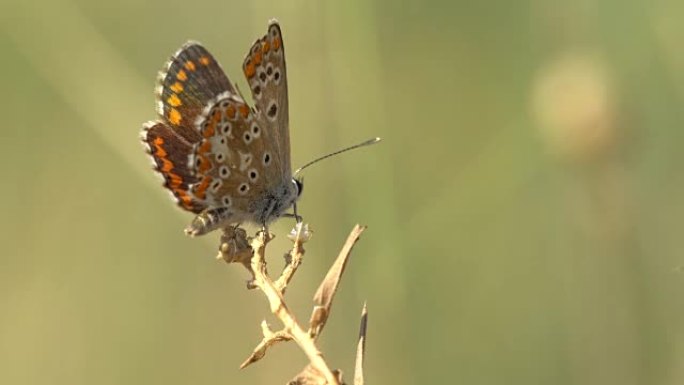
[[220, 159]]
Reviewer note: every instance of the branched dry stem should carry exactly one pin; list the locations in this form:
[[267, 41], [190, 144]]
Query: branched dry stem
[[279, 308], [252, 254], [293, 258]]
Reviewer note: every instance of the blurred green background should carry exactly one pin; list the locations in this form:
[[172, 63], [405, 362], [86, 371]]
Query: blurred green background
[[525, 209]]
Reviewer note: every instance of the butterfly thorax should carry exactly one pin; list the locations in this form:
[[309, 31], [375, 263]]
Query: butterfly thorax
[[274, 203], [270, 205]]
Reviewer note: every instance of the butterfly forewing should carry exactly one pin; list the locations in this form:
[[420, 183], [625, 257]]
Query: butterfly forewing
[[190, 81], [264, 68]]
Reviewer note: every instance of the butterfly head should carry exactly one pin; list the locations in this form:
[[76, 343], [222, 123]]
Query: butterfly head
[[298, 183]]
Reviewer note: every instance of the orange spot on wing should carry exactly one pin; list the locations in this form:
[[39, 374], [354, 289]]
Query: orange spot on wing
[[257, 58], [167, 165], [230, 112], [185, 199], [158, 141], [250, 69], [276, 43], [205, 165], [177, 87], [205, 147], [175, 180], [244, 110], [189, 65], [182, 76], [204, 60], [161, 154], [201, 190], [174, 100], [209, 130], [175, 116], [265, 47]]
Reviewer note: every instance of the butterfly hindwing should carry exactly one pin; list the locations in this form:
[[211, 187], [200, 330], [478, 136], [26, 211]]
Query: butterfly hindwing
[[169, 152], [191, 79], [236, 163]]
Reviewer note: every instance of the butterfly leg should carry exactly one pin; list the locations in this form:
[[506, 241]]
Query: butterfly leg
[[208, 220], [298, 218], [294, 215]]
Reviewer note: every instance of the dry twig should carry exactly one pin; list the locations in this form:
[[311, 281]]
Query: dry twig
[[251, 253]]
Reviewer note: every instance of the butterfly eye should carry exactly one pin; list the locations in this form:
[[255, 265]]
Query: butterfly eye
[[299, 185]]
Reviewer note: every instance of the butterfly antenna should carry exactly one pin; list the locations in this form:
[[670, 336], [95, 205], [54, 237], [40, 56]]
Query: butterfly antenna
[[363, 144]]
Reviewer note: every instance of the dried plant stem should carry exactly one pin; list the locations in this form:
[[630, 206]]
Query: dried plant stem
[[293, 260], [279, 308], [361, 347], [251, 253]]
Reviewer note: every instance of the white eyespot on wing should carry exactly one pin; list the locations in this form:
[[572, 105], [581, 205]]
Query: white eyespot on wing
[[225, 129], [266, 159], [243, 188], [226, 201], [256, 130], [256, 89], [269, 70], [277, 76], [247, 137], [224, 172], [216, 185], [253, 175], [220, 157], [272, 111], [263, 78]]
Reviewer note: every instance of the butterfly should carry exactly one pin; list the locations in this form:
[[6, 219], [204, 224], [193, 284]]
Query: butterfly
[[221, 159]]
